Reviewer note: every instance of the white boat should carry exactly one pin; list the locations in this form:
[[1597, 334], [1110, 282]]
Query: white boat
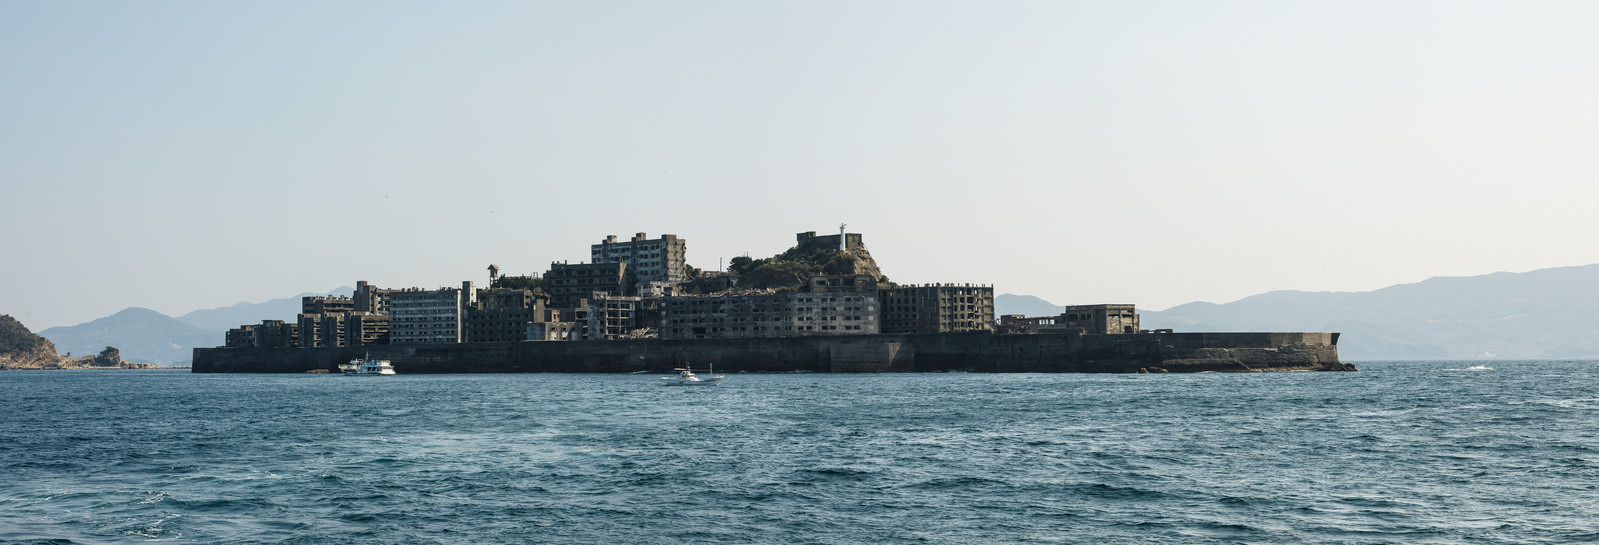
[[686, 377], [367, 367]]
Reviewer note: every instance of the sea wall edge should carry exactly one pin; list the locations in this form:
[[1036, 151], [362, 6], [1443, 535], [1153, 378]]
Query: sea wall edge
[[927, 352]]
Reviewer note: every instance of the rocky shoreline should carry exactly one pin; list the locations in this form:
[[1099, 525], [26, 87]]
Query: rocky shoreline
[[21, 349], [68, 364]]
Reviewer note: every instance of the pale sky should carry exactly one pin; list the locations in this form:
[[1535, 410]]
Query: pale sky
[[187, 155]]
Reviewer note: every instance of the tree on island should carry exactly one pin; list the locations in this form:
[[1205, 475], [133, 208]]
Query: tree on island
[[518, 283], [16, 339]]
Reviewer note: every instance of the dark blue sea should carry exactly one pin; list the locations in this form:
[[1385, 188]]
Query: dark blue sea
[[1399, 452]]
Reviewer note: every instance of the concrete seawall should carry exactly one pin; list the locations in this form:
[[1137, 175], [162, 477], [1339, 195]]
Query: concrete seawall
[[977, 352]]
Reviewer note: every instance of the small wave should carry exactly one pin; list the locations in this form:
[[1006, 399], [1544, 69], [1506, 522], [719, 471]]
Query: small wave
[[153, 497], [1473, 368], [830, 474]]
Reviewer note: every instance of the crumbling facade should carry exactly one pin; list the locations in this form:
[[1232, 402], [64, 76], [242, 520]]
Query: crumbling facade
[[569, 285], [648, 260], [1101, 319], [937, 308], [342, 321], [369, 298], [612, 317], [267, 334], [842, 306], [432, 316], [810, 241], [502, 315]]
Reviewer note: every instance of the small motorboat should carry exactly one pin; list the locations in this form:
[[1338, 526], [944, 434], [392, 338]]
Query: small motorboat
[[368, 367], [686, 377]]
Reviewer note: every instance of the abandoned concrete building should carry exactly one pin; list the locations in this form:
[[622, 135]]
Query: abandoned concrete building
[[1078, 319], [267, 334], [342, 321], [612, 317], [808, 241], [342, 329], [635, 288], [371, 299], [791, 314], [648, 260], [937, 308], [502, 315], [566, 329], [568, 285], [430, 316], [326, 305], [1102, 319]]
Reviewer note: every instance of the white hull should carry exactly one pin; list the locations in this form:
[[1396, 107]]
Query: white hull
[[700, 382], [368, 368], [686, 377]]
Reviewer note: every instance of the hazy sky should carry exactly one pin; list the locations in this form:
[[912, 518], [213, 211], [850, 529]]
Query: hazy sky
[[188, 155]]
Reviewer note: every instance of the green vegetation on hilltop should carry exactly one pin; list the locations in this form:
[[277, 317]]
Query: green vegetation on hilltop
[[517, 283], [16, 339], [790, 268], [744, 266]]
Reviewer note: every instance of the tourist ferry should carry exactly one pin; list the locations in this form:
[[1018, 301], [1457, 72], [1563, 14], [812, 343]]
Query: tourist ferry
[[367, 367]]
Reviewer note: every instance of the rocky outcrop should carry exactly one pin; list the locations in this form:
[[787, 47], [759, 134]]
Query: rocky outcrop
[[110, 357], [830, 261], [22, 349], [812, 257]]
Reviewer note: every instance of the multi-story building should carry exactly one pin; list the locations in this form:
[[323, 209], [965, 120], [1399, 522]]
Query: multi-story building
[[1102, 319], [322, 330], [343, 329], [431, 316], [649, 260], [651, 290], [612, 317], [366, 328], [568, 285], [371, 299], [565, 324], [344, 321], [317, 304], [555, 331], [502, 315], [839, 310], [267, 334], [240, 337], [937, 308]]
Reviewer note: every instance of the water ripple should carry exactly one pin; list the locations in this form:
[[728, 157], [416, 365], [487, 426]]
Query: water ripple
[[1401, 452]]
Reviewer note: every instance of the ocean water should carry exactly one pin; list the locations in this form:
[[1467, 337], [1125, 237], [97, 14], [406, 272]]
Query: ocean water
[[1399, 452]]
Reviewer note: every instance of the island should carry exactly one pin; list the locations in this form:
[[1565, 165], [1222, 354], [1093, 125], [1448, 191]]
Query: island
[[823, 305]]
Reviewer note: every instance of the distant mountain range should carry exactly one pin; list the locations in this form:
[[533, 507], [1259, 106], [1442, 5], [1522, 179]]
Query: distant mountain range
[[1025, 305], [140, 334], [1543, 314], [225, 318], [144, 335]]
